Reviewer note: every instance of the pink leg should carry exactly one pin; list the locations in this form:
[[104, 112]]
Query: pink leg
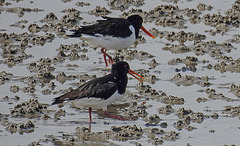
[[103, 50], [110, 60], [90, 115], [105, 55], [90, 127], [90, 118], [115, 116]]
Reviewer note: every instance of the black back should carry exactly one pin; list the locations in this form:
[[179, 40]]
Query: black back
[[116, 27], [103, 87]]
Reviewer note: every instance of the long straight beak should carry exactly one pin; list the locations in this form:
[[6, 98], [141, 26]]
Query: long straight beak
[[136, 75], [147, 32]]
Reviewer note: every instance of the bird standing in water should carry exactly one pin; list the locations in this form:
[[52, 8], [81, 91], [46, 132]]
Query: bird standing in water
[[112, 33], [101, 92]]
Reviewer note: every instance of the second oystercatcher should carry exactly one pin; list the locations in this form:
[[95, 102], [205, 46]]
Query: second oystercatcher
[[112, 33], [101, 92]]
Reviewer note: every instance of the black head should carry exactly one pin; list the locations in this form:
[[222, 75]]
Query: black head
[[120, 70], [136, 21]]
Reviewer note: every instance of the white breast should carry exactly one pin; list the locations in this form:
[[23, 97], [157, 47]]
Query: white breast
[[96, 103], [109, 42]]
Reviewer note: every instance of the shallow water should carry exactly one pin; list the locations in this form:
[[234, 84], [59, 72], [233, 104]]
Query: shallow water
[[210, 131]]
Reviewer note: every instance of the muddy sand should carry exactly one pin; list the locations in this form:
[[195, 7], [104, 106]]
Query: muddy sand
[[191, 92]]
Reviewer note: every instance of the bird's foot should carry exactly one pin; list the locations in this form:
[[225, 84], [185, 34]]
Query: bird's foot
[[115, 116]]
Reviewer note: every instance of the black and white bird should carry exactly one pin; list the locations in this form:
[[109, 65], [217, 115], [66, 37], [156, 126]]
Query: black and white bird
[[112, 33], [101, 92]]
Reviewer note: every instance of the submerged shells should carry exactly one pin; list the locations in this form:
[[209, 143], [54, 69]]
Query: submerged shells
[[191, 66]]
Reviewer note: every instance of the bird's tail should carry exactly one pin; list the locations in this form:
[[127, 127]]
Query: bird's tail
[[57, 100], [76, 33]]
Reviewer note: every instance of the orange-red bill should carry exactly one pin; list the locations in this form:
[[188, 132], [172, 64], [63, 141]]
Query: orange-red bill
[[136, 75], [147, 32]]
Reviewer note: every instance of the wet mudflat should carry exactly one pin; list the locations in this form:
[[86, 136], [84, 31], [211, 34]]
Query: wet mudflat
[[191, 93]]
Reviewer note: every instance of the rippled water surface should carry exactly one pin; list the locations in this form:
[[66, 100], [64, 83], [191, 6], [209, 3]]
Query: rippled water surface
[[196, 80]]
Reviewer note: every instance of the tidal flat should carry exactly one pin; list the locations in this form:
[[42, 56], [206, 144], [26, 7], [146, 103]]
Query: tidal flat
[[190, 95]]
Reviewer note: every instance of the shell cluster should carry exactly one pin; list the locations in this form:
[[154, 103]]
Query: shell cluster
[[191, 73]]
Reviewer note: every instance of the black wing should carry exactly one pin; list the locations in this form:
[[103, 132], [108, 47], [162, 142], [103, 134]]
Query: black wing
[[103, 87], [116, 27]]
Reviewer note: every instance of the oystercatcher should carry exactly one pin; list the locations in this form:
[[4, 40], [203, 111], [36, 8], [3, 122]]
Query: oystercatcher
[[100, 92], [112, 33]]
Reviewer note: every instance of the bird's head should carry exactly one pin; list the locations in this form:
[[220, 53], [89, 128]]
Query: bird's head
[[120, 70]]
